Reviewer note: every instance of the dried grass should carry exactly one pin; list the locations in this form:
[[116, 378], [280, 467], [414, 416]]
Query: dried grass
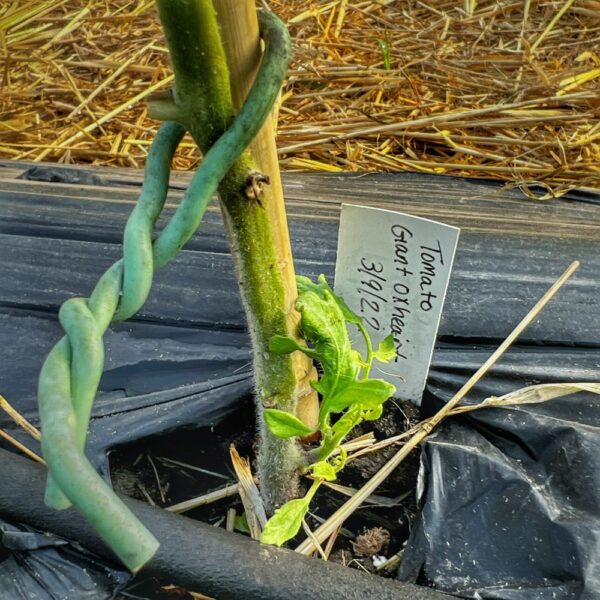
[[502, 89]]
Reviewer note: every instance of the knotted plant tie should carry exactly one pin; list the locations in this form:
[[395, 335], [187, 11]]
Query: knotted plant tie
[[71, 374]]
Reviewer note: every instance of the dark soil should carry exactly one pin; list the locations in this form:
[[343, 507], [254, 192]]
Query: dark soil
[[149, 470]]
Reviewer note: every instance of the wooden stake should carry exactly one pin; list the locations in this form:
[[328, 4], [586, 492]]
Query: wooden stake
[[240, 35]]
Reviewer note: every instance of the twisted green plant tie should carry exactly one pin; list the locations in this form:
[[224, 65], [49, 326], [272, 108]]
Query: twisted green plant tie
[[71, 373]]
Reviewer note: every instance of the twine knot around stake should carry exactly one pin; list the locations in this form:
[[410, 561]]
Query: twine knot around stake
[[71, 374]]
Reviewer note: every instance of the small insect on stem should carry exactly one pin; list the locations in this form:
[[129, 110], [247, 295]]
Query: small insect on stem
[[254, 186]]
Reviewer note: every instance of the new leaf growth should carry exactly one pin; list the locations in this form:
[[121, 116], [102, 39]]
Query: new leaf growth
[[349, 395]]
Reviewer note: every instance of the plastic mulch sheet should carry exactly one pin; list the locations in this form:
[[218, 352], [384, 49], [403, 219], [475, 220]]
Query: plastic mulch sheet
[[45, 567], [511, 496]]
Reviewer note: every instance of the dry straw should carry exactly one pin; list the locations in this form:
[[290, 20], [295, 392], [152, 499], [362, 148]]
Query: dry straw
[[498, 88], [22, 422]]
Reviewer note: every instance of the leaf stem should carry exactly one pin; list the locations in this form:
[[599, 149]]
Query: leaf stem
[[369, 345]]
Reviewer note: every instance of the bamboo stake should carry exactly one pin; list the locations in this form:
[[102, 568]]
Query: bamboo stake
[[322, 533], [202, 101], [239, 31]]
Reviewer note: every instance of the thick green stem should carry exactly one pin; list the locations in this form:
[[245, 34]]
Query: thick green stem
[[203, 103], [262, 289], [202, 93]]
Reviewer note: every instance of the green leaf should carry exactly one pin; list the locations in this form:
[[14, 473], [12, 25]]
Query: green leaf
[[283, 344], [339, 461], [323, 470], [286, 522], [384, 46], [240, 523], [372, 414], [323, 325], [369, 393], [323, 289], [386, 350], [319, 387], [349, 315], [305, 285], [284, 424], [348, 421], [324, 319], [358, 358]]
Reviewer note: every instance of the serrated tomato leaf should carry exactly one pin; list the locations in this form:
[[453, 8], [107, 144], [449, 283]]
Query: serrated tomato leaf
[[284, 344], [372, 414], [324, 326], [344, 386]]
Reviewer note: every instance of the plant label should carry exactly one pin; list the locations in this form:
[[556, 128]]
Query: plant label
[[393, 269]]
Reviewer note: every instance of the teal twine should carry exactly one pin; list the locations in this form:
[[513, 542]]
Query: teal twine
[[71, 373]]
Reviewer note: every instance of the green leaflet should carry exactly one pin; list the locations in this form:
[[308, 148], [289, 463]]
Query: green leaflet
[[282, 344], [386, 350], [324, 316], [345, 381], [285, 523], [284, 424], [287, 520], [369, 393], [323, 324], [321, 288], [323, 470], [373, 414]]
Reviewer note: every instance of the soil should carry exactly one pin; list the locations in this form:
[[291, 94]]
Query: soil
[[171, 468]]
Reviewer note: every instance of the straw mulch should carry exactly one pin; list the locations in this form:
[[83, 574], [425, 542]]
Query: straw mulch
[[502, 89]]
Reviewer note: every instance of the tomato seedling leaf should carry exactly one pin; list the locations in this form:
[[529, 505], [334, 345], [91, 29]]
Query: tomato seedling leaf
[[369, 393], [284, 344], [386, 350], [286, 522], [284, 424], [323, 470]]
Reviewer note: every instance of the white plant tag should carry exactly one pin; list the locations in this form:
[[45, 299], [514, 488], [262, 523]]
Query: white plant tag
[[392, 269]]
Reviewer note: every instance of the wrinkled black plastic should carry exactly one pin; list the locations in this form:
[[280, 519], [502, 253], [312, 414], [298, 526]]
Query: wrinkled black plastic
[[157, 378], [511, 496], [184, 361], [46, 567]]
